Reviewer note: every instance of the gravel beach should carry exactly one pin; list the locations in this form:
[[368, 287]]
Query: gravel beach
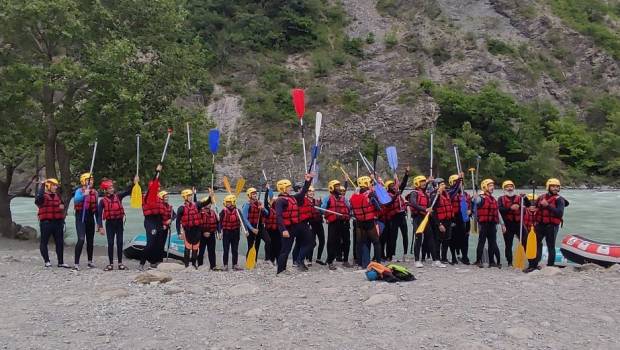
[[460, 307]]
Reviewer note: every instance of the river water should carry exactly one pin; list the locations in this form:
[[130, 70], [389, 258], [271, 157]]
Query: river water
[[592, 214]]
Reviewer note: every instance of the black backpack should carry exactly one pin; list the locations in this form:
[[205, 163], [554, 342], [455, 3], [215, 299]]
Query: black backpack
[[401, 272]]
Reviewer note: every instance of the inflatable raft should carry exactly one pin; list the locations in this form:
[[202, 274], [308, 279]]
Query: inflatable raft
[[136, 246], [560, 259], [582, 250]]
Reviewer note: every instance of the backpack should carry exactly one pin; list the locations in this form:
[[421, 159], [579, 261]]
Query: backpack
[[382, 272], [401, 272]]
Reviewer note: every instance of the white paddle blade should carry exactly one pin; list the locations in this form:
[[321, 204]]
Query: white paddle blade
[[317, 130]]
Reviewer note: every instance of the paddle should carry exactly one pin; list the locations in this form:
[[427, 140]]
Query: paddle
[[382, 195], [474, 220], [189, 154], [214, 144], [317, 134], [519, 253], [424, 222], [239, 187], [300, 108], [136, 191], [92, 164], [346, 176], [392, 157], [250, 260], [431, 170], [463, 202], [531, 247], [151, 195]]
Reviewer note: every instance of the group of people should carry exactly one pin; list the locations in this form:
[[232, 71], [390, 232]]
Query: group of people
[[442, 213]]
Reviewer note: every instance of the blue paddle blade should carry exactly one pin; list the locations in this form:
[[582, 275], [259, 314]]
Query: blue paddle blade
[[214, 140], [392, 157], [464, 209], [382, 195]]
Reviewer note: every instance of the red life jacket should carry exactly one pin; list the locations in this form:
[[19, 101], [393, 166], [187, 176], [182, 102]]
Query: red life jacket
[[231, 219], [511, 215], [397, 206], [191, 216], [337, 205], [316, 214], [271, 222], [113, 208], [290, 214], [50, 209], [444, 207], [91, 199], [422, 201], [209, 220], [305, 211], [254, 213], [166, 210], [362, 208], [488, 212], [530, 219], [546, 215], [153, 208], [456, 202]]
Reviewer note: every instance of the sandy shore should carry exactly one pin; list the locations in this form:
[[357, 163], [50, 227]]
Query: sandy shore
[[455, 308]]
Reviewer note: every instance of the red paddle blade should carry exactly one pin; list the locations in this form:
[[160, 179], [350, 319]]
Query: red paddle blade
[[299, 102], [151, 196]]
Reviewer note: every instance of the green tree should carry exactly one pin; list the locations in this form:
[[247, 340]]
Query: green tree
[[103, 70]]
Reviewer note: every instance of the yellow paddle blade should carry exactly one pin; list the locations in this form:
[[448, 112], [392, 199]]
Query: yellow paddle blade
[[250, 262], [239, 187], [422, 225], [136, 196], [227, 185], [474, 226], [519, 257], [530, 249]]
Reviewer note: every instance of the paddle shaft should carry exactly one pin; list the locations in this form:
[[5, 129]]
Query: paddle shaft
[[303, 141], [92, 165], [431, 170], [137, 154], [163, 154]]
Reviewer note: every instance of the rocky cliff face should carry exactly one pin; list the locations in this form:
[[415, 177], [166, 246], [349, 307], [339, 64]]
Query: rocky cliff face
[[517, 44]]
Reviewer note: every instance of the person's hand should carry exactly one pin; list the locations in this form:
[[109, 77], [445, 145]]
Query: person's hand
[[544, 203], [429, 179], [218, 236], [261, 206], [61, 206], [429, 210], [211, 192], [136, 179], [193, 190], [503, 228], [101, 230], [308, 177], [206, 234], [159, 167], [407, 169], [285, 234], [468, 212], [461, 175], [255, 231], [514, 207], [442, 228]]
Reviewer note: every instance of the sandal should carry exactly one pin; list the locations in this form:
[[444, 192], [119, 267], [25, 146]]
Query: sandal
[[109, 268], [122, 267]]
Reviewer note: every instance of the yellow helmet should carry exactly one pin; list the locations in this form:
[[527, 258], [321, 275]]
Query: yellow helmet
[[230, 199], [532, 197], [507, 183], [84, 178], [332, 185], [311, 188], [49, 182], [162, 194], [484, 185], [552, 182], [418, 180], [452, 179], [250, 191], [186, 193], [364, 181], [204, 199], [282, 185], [388, 183]]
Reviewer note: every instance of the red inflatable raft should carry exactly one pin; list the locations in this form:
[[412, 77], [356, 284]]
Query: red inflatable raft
[[582, 250]]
